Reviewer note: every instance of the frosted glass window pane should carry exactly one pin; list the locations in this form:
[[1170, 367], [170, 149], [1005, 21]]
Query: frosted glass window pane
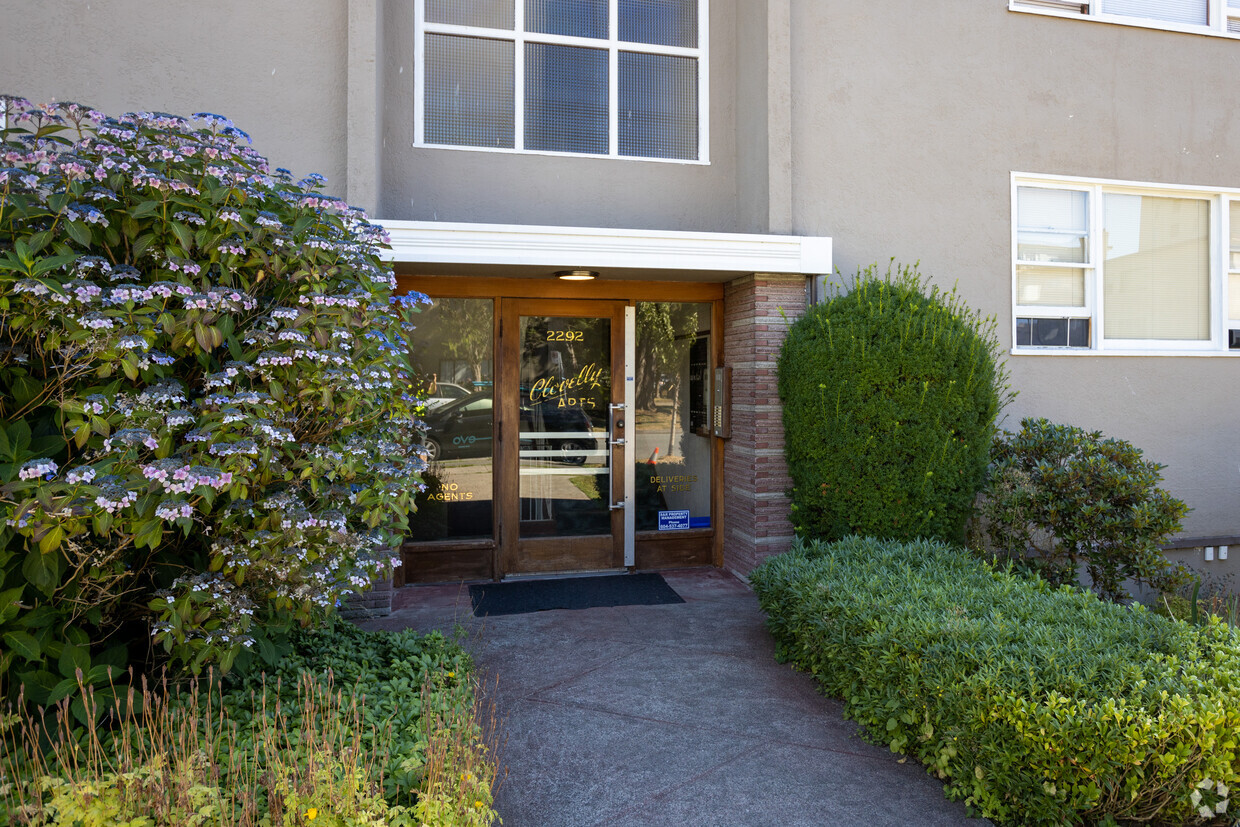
[[491, 14], [575, 18], [1050, 286], [1173, 11], [565, 98], [1156, 281], [1052, 225], [665, 22], [1233, 296], [469, 91], [658, 106]]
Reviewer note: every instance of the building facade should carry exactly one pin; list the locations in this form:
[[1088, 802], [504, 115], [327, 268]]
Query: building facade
[[617, 207]]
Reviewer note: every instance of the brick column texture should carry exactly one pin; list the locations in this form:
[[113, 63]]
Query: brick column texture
[[757, 311]]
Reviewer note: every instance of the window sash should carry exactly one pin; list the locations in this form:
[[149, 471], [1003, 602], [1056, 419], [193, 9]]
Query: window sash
[[1204, 295], [1212, 17], [612, 45]]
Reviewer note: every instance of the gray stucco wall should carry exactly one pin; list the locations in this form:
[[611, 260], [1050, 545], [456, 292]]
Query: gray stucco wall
[[908, 120], [276, 68], [456, 185]]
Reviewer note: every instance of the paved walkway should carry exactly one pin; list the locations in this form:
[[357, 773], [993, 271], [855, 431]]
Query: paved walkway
[[671, 715]]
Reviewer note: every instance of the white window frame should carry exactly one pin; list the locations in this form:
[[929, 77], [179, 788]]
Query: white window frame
[[1219, 15], [1220, 201], [612, 45]]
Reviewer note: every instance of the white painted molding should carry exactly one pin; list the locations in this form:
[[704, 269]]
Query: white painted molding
[[433, 242]]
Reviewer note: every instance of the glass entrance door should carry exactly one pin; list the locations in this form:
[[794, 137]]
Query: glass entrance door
[[565, 415]]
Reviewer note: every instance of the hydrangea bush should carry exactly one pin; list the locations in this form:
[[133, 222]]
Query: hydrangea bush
[[207, 428]]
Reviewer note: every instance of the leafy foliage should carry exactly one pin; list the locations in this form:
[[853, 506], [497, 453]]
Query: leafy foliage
[[890, 397], [1035, 705], [205, 423], [351, 728], [1060, 498]]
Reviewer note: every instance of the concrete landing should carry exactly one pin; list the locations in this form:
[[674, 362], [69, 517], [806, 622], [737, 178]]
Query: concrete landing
[[670, 715]]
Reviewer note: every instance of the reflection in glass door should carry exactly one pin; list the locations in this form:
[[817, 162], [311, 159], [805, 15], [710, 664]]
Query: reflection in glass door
[[564, 435]]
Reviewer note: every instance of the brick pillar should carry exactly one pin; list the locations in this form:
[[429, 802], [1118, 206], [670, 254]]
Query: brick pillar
[[757, 311]]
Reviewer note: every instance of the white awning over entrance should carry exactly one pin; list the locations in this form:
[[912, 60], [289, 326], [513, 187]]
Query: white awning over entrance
[[431, 247]]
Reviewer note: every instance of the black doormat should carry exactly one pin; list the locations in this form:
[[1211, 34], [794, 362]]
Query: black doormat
[[522, 596]]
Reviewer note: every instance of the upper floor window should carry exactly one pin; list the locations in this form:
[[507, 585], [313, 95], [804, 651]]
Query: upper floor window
[[611, 78], [1114, 267], [1200, 16]]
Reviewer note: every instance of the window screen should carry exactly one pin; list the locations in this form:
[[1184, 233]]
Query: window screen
[[658, 106], [575, 18], [469, 91], [618, 78], [565, 98], [490, 14], [663, 22]]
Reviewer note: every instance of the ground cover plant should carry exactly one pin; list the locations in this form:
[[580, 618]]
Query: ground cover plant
[[1060, 499], [1035, 705], [352, 728], [890, 394], [205, 426]]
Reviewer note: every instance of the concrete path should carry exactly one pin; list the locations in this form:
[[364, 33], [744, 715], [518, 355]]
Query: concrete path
[[671, 715]]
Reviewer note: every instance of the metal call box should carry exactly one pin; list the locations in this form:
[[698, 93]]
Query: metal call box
[[721, 409]]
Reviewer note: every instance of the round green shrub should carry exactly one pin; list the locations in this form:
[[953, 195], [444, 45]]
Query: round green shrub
[[1060, 499], [890, 395]]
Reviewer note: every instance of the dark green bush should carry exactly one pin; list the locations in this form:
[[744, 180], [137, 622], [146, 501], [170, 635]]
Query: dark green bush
[[1035, 705], [890, 397], [1060, 498]]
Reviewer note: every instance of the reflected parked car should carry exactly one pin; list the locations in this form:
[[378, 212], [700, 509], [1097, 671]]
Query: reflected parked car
[[444, 393], [464, 428], [460, 428], [552, 420]]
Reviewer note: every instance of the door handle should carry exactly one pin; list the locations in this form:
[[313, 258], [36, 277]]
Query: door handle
[[614, 441]]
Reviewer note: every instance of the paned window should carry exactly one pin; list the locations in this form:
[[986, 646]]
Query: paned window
[[1204, 16], [1109, 266], [610, 78]]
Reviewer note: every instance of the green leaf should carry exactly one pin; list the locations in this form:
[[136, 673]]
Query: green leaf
[[51, 540], [145, 208], [8, 603], [38, 685], [79, 232], [23, 644], [42, 571], [183, 233], [62, 690], [74, 658]]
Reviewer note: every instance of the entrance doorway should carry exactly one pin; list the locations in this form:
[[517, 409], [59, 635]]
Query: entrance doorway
[[565, 434], [564, 396]]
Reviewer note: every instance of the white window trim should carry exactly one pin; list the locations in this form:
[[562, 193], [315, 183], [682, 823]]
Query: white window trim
[[1220, 200], [1218, 15], [612, 44]]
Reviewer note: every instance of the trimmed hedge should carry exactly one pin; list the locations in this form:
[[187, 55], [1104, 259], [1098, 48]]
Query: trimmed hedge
[[1035, 705], [890, 395]]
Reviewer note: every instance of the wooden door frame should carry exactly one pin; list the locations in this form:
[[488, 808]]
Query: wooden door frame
[[534, 555], [630, 292]]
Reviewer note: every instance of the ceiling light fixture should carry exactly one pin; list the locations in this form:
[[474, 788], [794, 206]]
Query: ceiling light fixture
[[576, 275]]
